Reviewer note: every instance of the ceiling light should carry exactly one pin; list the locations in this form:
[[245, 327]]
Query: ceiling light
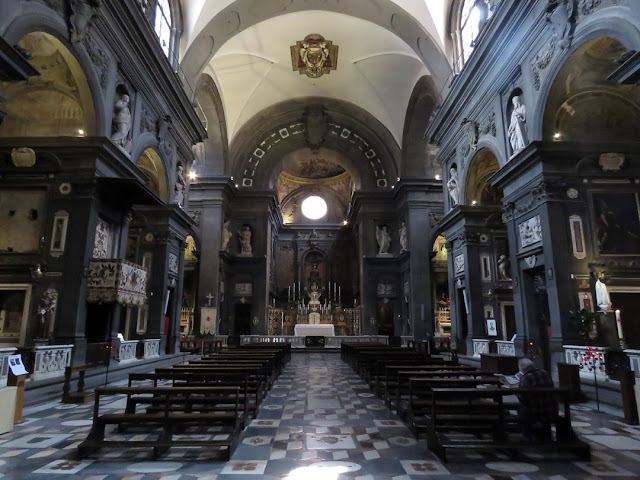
[[80, 132], [398, 179], [314, 207], [345, 222], [438, 177], [236, 185], [557, 135], [393, 186], [474, 202], [192, 175]]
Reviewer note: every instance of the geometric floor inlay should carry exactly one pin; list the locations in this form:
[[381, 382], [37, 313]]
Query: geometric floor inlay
[[319, 422]]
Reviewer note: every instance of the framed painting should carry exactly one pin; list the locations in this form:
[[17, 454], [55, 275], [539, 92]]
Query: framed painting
[[617, 223]]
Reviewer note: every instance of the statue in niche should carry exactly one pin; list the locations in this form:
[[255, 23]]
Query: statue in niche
[[452, 186], [121, 120], [602, 296], [245, 240], [226, 236], [181, 186], [80, 19], [504, 267], [47, 312], [518, 136], [384, 240], [403, 238]]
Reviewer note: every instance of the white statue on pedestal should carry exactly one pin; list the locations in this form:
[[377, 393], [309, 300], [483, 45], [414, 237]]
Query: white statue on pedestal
[[452, 186], [384, 240], [602, 296], [518, 136]]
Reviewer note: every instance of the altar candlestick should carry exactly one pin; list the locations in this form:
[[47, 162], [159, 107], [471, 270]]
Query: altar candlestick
[[619, 324], [334, 291], [294, 291], [340, 294], [289, 294]]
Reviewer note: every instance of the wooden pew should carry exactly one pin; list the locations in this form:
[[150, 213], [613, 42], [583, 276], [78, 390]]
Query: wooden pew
[[197, 411], [419, 405], [471, 419], [248, 398]]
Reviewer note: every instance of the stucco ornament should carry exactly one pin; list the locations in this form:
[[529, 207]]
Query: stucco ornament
[[83, 13], [314, 56]]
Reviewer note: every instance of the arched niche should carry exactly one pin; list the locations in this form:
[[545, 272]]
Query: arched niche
[[584, 106], [151, 165], [414, 144], [478, 189], [212, 153], [58, 102]]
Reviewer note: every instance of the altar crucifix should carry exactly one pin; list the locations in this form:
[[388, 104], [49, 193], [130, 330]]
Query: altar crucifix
[[209, 298]]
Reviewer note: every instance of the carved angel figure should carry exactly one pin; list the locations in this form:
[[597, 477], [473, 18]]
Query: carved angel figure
[[244, 236], [83, 12]]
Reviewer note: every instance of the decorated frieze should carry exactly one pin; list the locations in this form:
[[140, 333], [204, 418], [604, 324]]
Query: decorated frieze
[[530, 231]]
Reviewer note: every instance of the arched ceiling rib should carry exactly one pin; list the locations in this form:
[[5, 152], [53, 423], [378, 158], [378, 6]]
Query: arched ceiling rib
[[431, 14]]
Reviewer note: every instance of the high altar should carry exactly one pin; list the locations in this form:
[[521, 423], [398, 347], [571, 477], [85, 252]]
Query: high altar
[[314, 318]]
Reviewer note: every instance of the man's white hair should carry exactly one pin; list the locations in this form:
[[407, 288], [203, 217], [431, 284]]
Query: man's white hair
[[525, 364]]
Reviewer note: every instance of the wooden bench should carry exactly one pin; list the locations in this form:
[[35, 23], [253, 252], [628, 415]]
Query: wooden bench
[[420, 398], [174, 409], [248, 398], [471, 419]]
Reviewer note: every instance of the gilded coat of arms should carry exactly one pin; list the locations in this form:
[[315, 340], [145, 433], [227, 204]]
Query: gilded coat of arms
[[314, 56]]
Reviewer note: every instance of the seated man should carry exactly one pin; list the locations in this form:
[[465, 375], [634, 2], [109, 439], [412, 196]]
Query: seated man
[[538, 408]]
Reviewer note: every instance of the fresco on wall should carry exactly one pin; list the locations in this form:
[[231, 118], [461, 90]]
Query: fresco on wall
[[313, 167], [617, 223]]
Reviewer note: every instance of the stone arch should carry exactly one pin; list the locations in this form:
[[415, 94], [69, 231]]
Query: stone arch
[[36, 18], [213, 152], [151, 165], [414, 143], [243, 14], [56, 103], [476, 185], [615, 25], [369, 148]]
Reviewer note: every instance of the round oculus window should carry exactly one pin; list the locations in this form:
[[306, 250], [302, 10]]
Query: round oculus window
[[314, 207]]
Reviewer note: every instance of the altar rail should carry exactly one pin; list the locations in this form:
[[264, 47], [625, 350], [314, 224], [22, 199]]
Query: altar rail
[[298, 342], [4, 364], [588, 359], [506, 347], [126, 350], [151, 347], [335, 342], [480, 346], [634, 360], [50, 361]]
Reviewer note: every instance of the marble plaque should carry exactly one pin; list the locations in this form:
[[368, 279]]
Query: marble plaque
[[530, 231]]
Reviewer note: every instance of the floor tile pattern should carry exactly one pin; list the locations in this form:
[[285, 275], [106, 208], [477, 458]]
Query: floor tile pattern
[[319, 422]]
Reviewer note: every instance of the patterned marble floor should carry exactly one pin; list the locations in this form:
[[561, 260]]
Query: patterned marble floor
[[320, 422]]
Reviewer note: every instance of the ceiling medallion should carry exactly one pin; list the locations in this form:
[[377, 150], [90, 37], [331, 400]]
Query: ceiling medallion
[[314, 56]]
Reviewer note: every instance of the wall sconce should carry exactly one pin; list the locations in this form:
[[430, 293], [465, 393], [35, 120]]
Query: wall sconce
[[36, 272]]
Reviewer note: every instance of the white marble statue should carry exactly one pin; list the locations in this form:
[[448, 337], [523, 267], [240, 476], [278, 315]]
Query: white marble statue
[[602, 296], [384, 240], [452, 186], [245, 241], [181, 186], [403, 238], [503, 267], [121, 120], [226, 236], [518, 136]]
